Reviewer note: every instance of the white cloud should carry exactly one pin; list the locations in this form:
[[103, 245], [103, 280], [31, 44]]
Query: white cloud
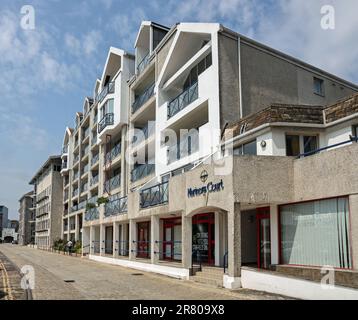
[[91, 42]]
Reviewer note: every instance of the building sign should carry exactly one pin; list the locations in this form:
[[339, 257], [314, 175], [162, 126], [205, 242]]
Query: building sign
[[209, 188]]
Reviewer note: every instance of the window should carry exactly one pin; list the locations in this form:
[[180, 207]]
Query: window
[[316, 233], [292, 145], [108, 107], [197, 70], [309, 143], [249, 148], [318, 86], [296, 144], [158, 35]]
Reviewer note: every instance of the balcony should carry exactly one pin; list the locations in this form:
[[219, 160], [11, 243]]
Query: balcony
[[116, 207], [85, 151], [92, 214], [107, 120], [185, 148], [183, 100], [74, 208], [86, 133], [112, 183], [65, 149], [84, 187], [108, 89], [64, 165], [94, 180], [65, 227], [76, 176], [82, 205], [155, 195], [75, 193], [142, 65], [147, 131], [143, 98], [76, 159], [85, 169], [94, 140], [116, 150], [142, 171], [94, 159], [65, 196]]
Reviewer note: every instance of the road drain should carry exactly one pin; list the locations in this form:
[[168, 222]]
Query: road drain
[[137, 274], [69, 281]]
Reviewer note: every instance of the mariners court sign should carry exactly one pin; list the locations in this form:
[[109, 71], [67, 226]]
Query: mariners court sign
[[208, 188]]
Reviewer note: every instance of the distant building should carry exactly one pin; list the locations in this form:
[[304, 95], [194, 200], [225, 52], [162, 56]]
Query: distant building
[[27, 219], [9, 235], [13, 224], [3, 218], [48, 191]]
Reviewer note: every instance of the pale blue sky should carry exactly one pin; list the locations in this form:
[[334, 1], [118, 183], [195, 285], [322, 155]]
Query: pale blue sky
[[46, 73]]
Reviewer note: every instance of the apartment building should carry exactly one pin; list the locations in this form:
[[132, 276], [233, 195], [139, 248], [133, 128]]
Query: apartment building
[[93, 157], [222, 143], [4, 211], [27, 219], [48, 197]]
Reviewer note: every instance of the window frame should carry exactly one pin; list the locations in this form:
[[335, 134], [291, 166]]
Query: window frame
[[321, 93]]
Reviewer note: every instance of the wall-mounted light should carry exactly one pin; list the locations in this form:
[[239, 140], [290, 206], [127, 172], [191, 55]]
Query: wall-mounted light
[[263, 144]]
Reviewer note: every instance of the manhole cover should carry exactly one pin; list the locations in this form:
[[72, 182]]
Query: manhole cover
[[69, 281], [137, 274]]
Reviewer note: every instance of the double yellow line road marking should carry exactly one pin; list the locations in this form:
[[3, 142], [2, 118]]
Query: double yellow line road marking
[[6, 283]]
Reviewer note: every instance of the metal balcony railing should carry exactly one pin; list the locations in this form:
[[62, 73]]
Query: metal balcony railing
[[86, 133], [115, 207], [64, 165], [76, 175], [183, 100], [155, 195], [94, 180], [85, 169], [82, 204], [75, 193], [94, 159], [141, 65], [94, 140], [107, 120], [143, 98], [147, 131], [109, 88], [112, 183], [76, 159], [84, 187], [72, 226], [116, 150], [92, 214], [85, 151], [142, 171]]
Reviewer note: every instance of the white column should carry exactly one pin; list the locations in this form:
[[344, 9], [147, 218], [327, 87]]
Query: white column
[[234, 241], [274, 234], [102, 238], [155, 246], [116, 243], [186, 242], [125, 239], [91, 240], [132, 237]]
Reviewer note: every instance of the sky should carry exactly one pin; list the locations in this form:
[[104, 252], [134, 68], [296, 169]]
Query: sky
[[46, 72]]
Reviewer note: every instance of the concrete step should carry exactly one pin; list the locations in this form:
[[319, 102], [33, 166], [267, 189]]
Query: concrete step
[[213, 270], [215, 276], [208, 281]]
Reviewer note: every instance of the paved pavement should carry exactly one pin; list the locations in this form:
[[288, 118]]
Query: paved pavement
[[59, 277]]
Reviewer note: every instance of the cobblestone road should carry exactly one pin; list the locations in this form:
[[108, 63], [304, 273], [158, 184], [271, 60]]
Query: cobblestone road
[[93, 280]]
